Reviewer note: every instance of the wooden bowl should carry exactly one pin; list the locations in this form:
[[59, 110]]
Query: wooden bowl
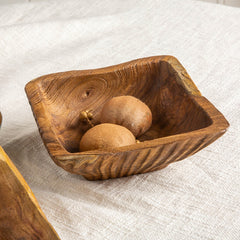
[[0, 119], [20, 216], [184, 121]]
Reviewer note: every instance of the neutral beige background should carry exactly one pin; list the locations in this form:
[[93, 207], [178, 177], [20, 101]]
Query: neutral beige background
[[234, 3]]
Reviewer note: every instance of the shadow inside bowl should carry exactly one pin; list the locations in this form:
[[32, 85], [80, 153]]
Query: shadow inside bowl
[[174, 110]]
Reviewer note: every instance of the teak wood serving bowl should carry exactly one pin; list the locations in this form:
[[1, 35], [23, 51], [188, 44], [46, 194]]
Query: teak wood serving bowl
[[184, 121]]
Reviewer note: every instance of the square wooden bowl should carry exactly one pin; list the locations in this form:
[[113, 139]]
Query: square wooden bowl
[[184, 121]]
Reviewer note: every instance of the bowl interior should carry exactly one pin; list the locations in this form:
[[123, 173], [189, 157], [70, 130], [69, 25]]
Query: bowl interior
[[173, 109]]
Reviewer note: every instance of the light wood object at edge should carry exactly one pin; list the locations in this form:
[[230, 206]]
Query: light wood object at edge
[[21, 217]]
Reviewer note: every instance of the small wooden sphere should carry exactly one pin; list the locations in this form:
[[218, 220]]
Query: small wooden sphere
[[129, 112], [106, 135]]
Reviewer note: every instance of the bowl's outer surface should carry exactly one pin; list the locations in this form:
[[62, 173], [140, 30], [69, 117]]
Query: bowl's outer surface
[[184, 122], [20, 216]]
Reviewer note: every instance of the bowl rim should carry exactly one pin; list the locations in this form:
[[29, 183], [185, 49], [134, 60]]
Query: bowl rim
[[56, 149]]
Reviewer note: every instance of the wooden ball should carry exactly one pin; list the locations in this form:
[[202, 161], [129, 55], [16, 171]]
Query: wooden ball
[[129, 112], [106, 135]]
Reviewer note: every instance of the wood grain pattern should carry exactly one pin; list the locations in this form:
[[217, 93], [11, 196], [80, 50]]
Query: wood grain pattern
[[183, 121], [21, 217]]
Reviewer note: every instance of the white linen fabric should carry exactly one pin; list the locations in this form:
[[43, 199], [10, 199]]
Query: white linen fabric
[[197, 198]]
